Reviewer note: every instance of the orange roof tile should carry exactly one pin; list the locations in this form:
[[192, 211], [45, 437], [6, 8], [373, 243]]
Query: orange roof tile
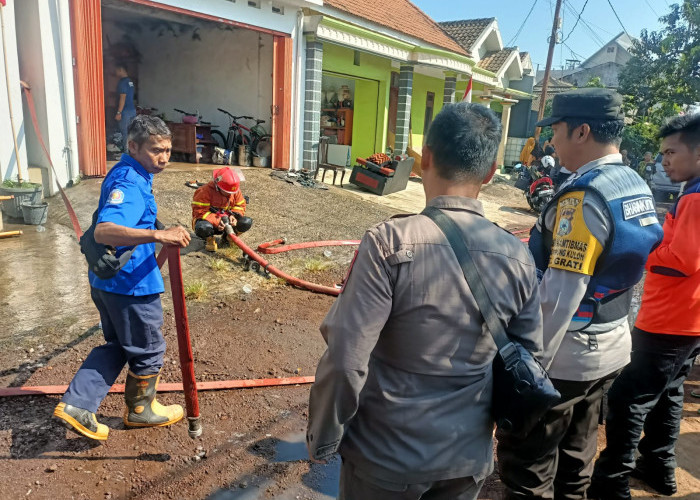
[[401, 16]]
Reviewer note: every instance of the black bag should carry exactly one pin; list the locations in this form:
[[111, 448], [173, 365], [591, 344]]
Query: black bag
[[522, 391], [102, 259]]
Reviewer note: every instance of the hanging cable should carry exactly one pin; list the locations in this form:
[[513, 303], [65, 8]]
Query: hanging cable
[[618, 18], [576, 23], [652, 8], [517, 34]]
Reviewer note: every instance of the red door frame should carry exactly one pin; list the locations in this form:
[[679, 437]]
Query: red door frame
[[281, 101], [86, 36]]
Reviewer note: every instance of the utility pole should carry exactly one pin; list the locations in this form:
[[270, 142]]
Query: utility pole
[[548, 67]]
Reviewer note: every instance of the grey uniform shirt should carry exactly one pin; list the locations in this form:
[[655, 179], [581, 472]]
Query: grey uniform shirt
[[404, 388], [572, 355]]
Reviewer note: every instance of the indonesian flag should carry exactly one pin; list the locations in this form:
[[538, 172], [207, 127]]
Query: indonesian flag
[[468, 92]]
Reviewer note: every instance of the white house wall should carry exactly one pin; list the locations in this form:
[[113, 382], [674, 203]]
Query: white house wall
[[229, 69], [41, 24], [8, 162], [239, 11]]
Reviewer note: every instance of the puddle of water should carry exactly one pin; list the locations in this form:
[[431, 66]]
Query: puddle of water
[[291, 448], [43, 281]]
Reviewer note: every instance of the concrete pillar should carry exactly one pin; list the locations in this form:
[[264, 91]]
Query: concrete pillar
[[312, 103], [403, 115], [505, 123], [42, 27], [450, 89]]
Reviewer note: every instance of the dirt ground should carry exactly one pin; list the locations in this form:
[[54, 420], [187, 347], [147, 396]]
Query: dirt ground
[[252, 445]]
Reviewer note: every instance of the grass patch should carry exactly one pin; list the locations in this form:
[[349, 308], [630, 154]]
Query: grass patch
[[316, 265], [196, 291], [230, 252], [218, 265]]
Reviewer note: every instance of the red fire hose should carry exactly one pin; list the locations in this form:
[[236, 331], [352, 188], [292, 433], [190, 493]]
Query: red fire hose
[[184, 343], [266, 247], [314, 287], [42, 390]]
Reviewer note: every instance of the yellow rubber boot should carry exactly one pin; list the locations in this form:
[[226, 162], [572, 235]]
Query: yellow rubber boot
[[142, 409], [211, 245], [81, 421]]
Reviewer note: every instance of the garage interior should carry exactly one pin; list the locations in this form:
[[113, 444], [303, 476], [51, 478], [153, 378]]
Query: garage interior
[[183, 62]]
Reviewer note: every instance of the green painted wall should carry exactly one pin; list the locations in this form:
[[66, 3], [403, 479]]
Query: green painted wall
[[371, 97], [364, 130], [462, 86], [423, 84]]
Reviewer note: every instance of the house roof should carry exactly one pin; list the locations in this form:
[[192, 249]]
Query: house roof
[[402, 16], [494, 61], [555, 84], [467, 31]]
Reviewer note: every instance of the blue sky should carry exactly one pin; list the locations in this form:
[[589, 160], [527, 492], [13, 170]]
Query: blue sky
[[599, 27]]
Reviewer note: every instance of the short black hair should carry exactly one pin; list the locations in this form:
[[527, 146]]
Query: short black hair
[[549, 150], [603, 131], [120, 65], [688, 126], [464, 140]]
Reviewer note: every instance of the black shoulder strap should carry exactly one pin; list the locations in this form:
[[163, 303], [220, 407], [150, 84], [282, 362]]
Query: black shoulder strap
[[471, 273]]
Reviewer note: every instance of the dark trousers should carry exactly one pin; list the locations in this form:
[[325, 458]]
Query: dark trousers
[[648, 395], [205, 229], [127, 117], [354, 485], [556, 459], [131, 327]]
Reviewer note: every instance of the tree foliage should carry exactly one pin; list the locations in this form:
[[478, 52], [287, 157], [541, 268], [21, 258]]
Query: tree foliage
[[639, 138], [664, 72]]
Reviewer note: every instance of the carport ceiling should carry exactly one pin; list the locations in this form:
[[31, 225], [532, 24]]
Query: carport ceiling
[[134, 18]]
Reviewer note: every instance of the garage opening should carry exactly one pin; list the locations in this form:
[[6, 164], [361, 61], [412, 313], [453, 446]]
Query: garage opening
[[186, 70]]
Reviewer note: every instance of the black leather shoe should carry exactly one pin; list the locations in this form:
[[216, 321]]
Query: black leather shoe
[[605, 490], [662, 479]]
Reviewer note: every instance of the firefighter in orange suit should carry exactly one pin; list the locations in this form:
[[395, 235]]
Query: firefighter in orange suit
[[217, 203]]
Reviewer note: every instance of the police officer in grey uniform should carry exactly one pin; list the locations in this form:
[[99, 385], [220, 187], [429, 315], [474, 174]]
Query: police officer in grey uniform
[[404, 390], [590, 245]]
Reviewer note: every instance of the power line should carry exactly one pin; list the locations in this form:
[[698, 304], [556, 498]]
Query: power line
[[652, 8], [618, 18], [593, 35], [574, 53], [576, 23], [517, 34]]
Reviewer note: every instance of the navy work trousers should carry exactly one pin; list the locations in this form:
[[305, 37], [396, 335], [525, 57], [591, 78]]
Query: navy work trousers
[[648, 395], [131, 327]]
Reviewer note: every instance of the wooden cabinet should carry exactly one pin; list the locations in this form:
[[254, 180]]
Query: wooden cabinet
[[186, 138], [342, 127]]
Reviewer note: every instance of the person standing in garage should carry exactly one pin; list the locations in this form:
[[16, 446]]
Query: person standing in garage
[[126, 110]]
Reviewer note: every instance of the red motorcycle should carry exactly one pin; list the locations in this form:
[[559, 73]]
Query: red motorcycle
[[538, 192]]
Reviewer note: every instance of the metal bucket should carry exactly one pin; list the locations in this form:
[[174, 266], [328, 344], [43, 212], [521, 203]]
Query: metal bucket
[[261, 161], [13, 208], [243, 156], [35, 214]]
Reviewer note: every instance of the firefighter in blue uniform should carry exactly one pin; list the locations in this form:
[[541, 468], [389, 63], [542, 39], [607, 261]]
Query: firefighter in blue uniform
[[129, 303], [590, 245]]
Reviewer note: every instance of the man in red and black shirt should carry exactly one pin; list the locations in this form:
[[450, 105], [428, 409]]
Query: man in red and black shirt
[[648, 394]]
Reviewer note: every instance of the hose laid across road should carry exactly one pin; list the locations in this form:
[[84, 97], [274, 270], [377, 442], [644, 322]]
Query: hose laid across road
[[40, 390], [314, 287], [265, 248]]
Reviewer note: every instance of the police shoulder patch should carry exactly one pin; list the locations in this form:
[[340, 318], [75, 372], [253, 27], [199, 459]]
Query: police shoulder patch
[[116, 196], [574, 248]]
